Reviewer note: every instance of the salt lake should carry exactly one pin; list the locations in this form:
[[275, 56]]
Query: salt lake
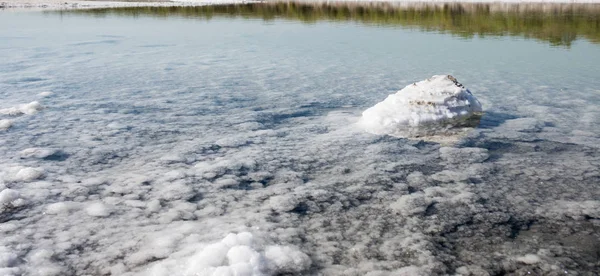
[[223, 140]]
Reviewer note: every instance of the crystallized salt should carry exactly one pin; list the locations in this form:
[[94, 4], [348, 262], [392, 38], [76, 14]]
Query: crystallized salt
[[428, 107], [62, 207], [8, 195], [46, 94], [236, 254], [29, 109], [29, 174], [98, 209], [529, 259], [5, 124], [39, 153]]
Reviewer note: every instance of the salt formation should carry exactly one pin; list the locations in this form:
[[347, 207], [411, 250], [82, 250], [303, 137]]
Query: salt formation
[[236, 254], [46, 94], [28, 109], [438, 105], [5, 124], [8, 196]]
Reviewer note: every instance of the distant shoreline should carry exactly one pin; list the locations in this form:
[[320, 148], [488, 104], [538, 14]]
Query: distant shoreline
[[86, 4], [90, 4]]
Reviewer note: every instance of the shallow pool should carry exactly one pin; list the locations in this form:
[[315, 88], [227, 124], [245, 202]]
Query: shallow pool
[[222, 139]]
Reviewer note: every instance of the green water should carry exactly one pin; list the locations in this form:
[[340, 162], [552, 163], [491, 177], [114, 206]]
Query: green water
[[557, 24]]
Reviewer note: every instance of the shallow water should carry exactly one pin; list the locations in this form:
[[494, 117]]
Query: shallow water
[[167, 129]]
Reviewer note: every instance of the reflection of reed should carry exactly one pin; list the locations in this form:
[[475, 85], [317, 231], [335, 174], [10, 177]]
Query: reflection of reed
[[559, 24]]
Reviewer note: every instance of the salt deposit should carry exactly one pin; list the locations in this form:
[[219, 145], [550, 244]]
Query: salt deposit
[[98, 209], [529, 259], [28, 109], [40, 153], [46, 94], [437, 105], [5, 124], [236, 254], [28, 174], [8, 262], [8, 196], [62, 207]]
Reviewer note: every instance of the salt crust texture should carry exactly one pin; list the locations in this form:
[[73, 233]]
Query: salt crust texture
[[428, 107], [288, 224], [236, 254]]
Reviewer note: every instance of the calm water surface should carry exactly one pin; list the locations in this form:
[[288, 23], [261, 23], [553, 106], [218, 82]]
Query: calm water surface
[[166, 129]]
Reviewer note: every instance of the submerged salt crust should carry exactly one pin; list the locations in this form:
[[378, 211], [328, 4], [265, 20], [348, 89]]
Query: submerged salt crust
[[429, 107], [237, 152]]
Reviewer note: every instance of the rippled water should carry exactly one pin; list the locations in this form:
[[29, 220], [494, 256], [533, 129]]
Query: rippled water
[[165, 129]]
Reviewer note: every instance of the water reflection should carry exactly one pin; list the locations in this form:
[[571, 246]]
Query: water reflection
[[558, 24]]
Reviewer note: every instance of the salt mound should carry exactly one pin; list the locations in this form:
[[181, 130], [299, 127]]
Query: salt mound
[[439, 105]]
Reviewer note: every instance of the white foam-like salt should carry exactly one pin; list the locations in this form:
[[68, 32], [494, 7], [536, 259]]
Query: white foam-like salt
[[28, 109], [422, 108], [8, 261], [529, 259], [37, 152], [236, 254], [7, 258], [43, 264], [286, 259], [62, 207], [29, 174], [98, 209], [46, 94], [8, 196], [5, 124]]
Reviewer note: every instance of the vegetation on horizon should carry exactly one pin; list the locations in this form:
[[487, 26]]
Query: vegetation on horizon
[[558, 24]]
